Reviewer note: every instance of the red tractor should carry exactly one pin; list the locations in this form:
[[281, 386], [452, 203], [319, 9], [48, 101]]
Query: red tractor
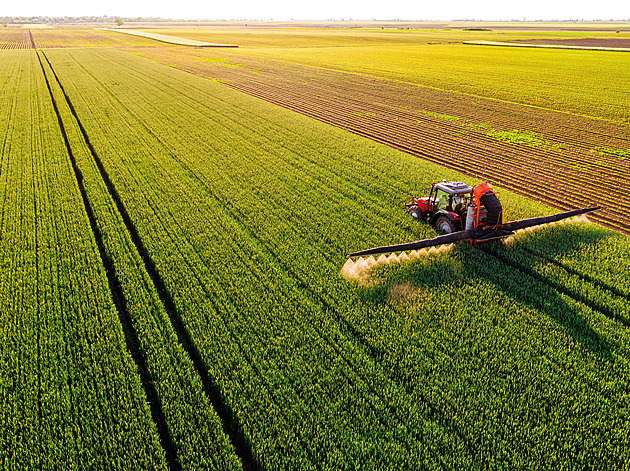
[[464, 214], [455, 206]]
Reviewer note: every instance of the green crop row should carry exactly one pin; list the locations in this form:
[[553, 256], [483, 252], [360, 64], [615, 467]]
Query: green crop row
[[237, 341], [70, 396], [193, 424], [247, 211], [595, 253], [534, 254]]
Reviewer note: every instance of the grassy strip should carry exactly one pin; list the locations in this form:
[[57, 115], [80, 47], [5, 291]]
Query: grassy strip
[[167, 39], [547, 46]]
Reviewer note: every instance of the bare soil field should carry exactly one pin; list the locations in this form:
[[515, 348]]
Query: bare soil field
[[15, 38], [561, 159]]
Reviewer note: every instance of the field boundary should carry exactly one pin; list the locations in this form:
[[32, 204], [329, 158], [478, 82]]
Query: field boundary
[[545, 46], [167, 39], [369, 109]]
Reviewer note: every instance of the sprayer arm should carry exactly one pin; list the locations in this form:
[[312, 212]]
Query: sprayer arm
[[473, 234]]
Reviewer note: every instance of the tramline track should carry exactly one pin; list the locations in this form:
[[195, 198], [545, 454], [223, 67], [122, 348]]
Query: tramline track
[[161, 403]]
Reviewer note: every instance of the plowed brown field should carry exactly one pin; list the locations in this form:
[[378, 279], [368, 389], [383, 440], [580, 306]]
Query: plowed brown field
[[564, 160], [15, 38]]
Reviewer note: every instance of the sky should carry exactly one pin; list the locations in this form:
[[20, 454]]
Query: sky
[[434, 10]]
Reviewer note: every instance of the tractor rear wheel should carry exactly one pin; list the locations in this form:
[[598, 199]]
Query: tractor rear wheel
[[444, 225]]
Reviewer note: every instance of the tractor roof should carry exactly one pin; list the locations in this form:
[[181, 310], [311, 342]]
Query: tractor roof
[[453, 188]]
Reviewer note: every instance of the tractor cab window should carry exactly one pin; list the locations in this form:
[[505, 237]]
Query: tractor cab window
[[442, 200], [459, 202]]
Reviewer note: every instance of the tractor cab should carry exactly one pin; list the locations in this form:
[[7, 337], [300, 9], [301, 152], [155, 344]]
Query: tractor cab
[[445, 207], [451, 196]]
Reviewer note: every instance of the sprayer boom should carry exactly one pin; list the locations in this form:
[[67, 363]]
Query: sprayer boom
[[477, 235]]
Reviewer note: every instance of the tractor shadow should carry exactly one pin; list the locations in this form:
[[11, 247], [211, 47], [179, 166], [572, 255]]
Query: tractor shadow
[[511, 273]]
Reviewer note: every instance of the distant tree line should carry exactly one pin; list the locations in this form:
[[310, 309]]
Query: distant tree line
[[71, 19]]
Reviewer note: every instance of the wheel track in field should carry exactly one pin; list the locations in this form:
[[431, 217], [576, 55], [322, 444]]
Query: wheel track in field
[[229, 422], [353, 334], [232, 420], [30, 37], [542, 280], [145, 251], [131, 337]]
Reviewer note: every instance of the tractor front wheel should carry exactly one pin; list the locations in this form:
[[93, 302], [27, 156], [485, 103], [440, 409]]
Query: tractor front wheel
[[444, 225], [415, 212]]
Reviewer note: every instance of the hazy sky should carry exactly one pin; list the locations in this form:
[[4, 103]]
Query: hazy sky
[[442, 10]]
